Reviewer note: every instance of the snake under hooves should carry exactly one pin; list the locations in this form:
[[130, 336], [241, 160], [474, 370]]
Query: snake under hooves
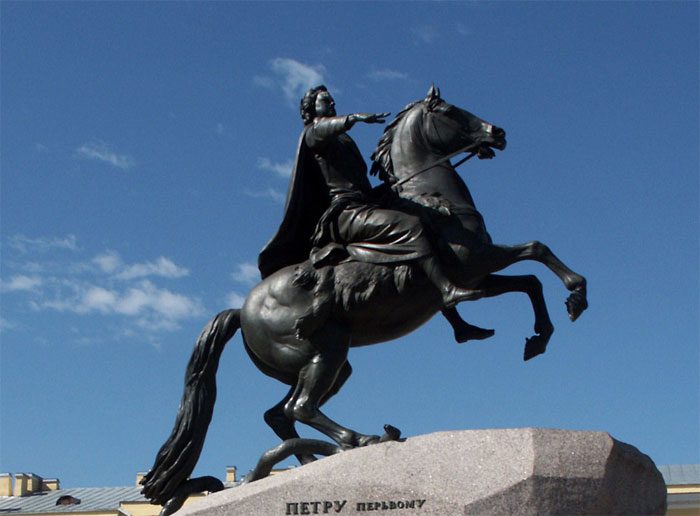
[[268, 460], [301, 446]]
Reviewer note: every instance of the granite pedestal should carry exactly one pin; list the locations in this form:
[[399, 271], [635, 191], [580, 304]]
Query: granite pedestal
[[520, 471]]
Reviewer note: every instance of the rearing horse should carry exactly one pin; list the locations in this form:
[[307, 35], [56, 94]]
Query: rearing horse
[[358, 304], [411, 157]]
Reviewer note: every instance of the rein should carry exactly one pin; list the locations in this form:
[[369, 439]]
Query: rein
[[440, 161]]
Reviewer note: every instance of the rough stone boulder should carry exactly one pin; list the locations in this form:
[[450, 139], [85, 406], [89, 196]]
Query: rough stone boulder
[[520, 471]]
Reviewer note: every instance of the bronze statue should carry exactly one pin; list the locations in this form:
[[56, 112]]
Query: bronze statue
[[332, 213], [353, 266]]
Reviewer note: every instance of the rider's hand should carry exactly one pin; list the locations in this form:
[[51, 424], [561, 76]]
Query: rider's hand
[[368, 118]]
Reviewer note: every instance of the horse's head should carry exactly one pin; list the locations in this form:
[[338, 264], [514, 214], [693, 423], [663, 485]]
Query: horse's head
[[428, 128], [448, 128]]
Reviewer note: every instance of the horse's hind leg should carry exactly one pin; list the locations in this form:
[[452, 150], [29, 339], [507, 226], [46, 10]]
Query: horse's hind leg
[[343, 376], [283, 426], [318, 381], [493, 258]]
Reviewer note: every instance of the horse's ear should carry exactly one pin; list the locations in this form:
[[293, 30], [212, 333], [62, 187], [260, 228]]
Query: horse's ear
[[433, 93], [432, 99]]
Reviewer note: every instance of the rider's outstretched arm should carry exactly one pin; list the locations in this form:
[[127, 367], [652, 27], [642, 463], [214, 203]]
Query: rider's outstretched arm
[[324, 128]]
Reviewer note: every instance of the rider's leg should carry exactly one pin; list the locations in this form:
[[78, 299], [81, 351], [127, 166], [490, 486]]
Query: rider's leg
[[463, 330], [399, 233], [451, 293]]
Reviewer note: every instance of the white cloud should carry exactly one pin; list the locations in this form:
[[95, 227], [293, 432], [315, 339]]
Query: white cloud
[[111, 263], [269, 193], [163, 267], [102, 152], [24, 244], [235, 300], [293, 77], [20, 283], [97, 299], [104, 285], [175, 306], [387, 74], [108, 262], [246, 273], [150, 305], [283, 169], [135, 300]]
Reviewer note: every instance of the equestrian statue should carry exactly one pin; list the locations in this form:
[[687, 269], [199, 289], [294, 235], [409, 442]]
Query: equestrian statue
[[353, 265]]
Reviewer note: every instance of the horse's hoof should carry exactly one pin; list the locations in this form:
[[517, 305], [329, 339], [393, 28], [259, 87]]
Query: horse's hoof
[[534, 346], [576, 303]]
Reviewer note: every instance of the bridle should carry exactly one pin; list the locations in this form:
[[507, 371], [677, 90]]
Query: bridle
[[467, 148], [472, 148]]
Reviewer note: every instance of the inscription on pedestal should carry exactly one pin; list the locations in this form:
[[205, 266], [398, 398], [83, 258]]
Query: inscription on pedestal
[[336, 506]]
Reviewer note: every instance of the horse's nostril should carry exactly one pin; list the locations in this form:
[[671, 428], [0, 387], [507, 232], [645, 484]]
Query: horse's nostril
[[498, 132]]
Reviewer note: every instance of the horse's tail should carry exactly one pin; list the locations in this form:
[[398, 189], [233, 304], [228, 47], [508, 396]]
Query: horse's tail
[[178, 456]]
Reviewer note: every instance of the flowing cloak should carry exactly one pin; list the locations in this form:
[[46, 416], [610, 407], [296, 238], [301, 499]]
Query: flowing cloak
[[307, 200], [318, 222]]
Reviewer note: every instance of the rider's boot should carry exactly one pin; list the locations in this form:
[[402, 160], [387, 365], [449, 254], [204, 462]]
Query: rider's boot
[[462, 329], [451, 293]]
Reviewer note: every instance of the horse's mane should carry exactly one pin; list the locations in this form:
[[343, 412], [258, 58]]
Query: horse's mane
[[381, 156]]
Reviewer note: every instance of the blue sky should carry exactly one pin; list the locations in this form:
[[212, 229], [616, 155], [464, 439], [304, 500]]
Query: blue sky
[[146, 149]]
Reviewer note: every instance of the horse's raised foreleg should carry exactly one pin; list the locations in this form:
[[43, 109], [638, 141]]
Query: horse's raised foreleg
[[495, 285], [318, 381], [493, 258]]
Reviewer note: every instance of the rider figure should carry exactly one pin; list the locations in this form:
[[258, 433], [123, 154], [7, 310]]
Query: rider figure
[[329, 208]]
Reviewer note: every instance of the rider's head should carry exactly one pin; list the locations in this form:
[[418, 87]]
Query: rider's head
[[316, 102]]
